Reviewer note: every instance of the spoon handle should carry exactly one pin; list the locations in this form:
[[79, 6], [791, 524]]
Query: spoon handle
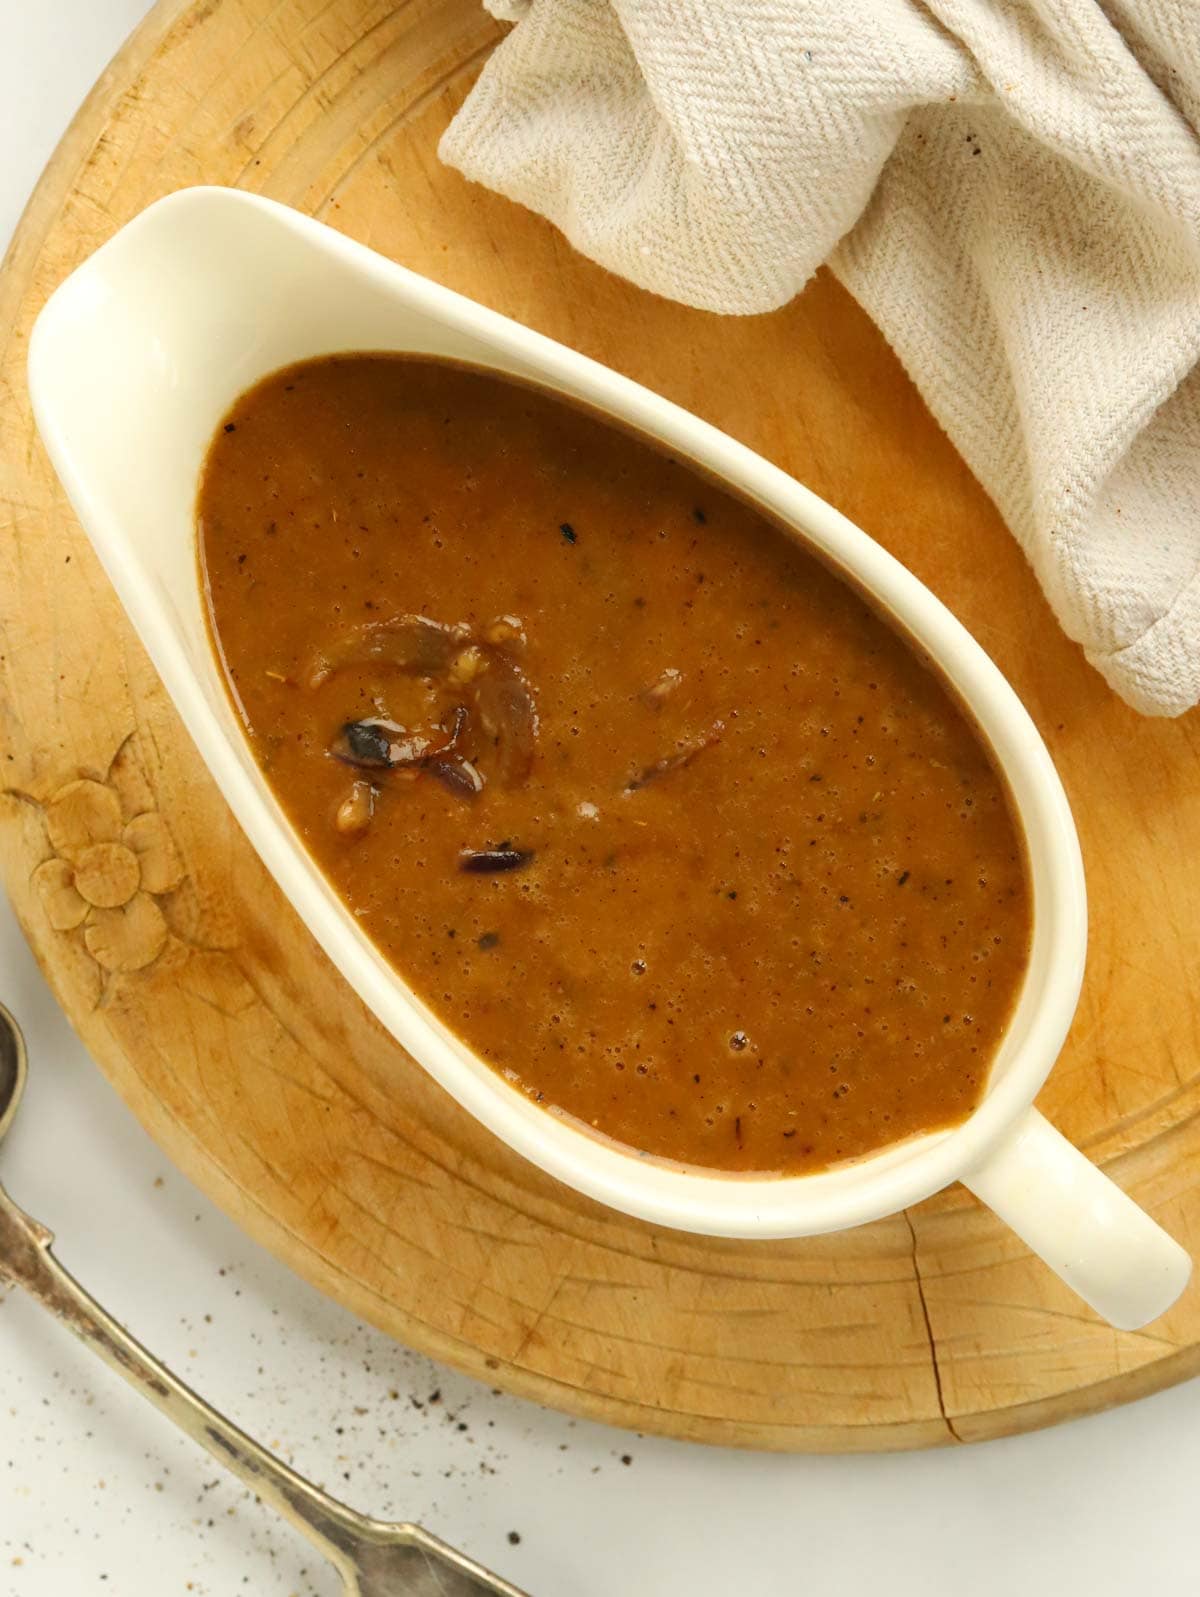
[[26, 1259]]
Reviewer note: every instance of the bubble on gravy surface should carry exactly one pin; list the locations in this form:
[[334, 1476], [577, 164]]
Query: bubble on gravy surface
[[651, 807]]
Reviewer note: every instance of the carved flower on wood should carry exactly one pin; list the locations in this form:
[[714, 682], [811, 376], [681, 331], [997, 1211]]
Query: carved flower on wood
[[106, 874]]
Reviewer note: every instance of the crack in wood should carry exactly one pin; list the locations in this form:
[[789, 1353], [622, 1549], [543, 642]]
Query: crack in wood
[[933, 1352]]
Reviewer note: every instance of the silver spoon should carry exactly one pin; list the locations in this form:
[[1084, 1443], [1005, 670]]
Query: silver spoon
[[374, 1559]]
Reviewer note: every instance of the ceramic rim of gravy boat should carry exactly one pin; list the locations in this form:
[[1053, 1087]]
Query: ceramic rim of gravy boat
[[132, 363]]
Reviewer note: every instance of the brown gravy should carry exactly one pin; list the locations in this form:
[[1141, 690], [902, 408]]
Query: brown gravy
[[655, 811]]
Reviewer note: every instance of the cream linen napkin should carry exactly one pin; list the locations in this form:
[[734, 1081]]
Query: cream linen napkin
[[1012, 190]]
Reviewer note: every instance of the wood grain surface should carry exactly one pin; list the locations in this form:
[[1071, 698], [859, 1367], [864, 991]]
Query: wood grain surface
[[210, 1007]]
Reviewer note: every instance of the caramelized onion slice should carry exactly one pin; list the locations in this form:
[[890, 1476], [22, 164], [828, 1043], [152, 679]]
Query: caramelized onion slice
[[508, 715], [409, 643], [683, 755], [459, 775]]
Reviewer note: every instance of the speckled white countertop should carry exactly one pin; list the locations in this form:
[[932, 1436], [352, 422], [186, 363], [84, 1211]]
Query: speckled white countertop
[[98, 1496]]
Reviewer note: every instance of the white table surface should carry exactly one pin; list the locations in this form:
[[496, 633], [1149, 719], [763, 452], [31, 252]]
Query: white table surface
[[97, 1495]]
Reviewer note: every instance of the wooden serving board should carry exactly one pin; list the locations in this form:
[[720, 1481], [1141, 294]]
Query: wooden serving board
[[212, 1010]]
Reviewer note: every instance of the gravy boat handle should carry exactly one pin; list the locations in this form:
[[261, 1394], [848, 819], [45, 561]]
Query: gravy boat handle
[[1081, 1224]]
